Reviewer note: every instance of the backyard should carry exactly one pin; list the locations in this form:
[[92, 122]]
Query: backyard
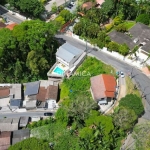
[[79, 83]]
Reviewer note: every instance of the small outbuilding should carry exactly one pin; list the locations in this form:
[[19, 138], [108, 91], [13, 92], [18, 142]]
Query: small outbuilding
[[20, 135]]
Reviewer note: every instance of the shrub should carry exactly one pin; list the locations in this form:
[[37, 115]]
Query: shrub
[[121, 28], [117, 20], [113, 46], [108, 27], [143, 18], [124, 49], [133, 102]]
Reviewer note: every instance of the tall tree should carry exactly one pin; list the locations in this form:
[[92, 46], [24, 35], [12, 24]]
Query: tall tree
[[125, 118], [32, 8]]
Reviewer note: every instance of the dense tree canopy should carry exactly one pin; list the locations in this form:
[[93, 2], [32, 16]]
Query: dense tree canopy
[[30, 143], [125, 118], [141, 134], [27, 52], [143, 18], [132, 102], [29, 7]]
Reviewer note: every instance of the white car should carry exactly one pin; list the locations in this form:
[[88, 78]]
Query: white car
[[72, 3], [122, 74]]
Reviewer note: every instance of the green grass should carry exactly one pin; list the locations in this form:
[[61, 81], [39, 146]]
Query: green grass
[[130, 87], [129, 24], [79, 83], [48, 132]]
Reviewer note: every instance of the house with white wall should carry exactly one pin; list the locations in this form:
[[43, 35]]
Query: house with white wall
[[103, 89]]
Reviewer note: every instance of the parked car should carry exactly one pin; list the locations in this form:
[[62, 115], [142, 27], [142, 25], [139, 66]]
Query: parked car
[[69, 6], [48, 114], [95, 49], [122, 74]]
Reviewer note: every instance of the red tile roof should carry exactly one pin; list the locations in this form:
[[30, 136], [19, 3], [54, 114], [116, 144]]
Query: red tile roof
[[103, 86], [41, 96], [87, 5], [11, 26], [4, 92], [52, 92], [45, 94], [4, 140]]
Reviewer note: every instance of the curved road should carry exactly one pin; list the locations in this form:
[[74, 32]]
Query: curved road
[[143, 82]]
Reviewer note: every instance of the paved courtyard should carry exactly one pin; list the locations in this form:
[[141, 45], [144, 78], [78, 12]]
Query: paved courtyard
[[58, 3]]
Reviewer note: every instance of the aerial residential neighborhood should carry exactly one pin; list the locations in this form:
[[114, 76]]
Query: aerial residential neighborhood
[[74, 74]]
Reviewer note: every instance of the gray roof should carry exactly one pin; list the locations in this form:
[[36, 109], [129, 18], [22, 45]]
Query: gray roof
[[140, 31], [32, 88], [20, 135], [146, 47], [23, 121], [121, 38], [15, 102], [67, 52], [31, 104], [15, 91], [9, 124]]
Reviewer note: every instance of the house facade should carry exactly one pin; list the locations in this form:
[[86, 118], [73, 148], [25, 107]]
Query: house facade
[[68, 57], [68, 54], [141, 36], [103, 88]]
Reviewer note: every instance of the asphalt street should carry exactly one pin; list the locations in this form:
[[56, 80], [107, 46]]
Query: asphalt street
[[143, 82], [5, 13], [16, 115]]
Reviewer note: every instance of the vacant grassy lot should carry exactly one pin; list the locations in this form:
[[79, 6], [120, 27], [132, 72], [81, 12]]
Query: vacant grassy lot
[[48, 132], [79, 83], [130, 87]]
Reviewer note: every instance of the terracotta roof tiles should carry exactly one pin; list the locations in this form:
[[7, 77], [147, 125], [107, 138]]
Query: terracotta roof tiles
[[4, 92], [103, 86], [4, 140], [11, 26]]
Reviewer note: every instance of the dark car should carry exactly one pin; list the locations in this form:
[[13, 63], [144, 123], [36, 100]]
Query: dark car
[[48, 114], [70, 6]]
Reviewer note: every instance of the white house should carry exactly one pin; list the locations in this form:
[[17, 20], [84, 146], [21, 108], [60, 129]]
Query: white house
[[68, 54]]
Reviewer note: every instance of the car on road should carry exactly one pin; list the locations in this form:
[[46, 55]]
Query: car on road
[[122, 74], [48, 114]]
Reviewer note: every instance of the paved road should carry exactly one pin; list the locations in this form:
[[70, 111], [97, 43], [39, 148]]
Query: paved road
[[16, 115], [142, 80], [9, 16]]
